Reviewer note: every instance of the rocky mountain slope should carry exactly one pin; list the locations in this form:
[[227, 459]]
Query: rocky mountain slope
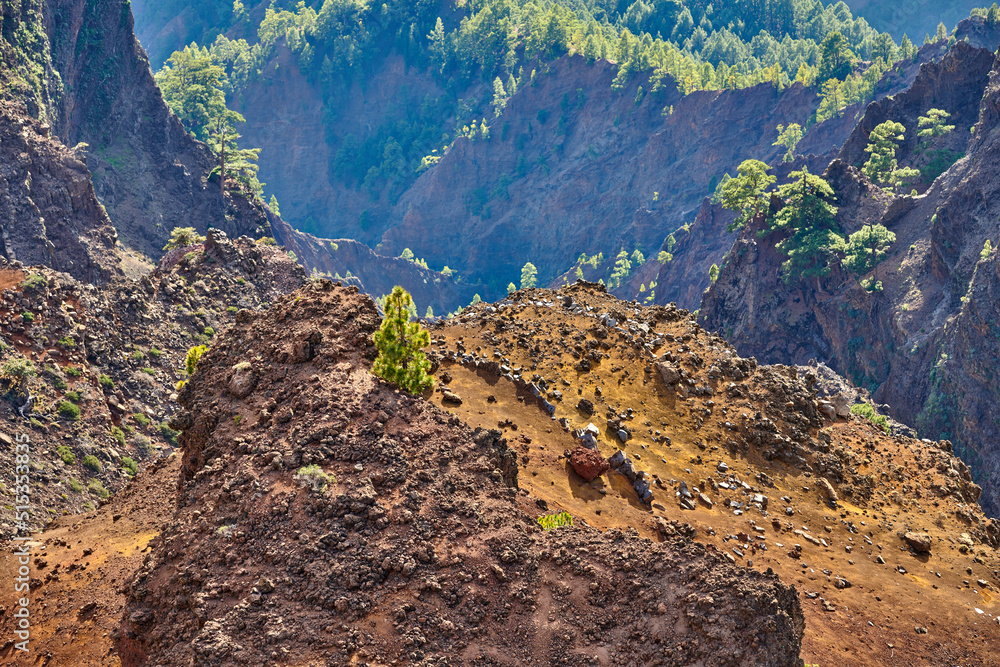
[[306, 487], [322, 515], [149, 173], [49, 210], [880, 534], [104, 362], [920, 344], [353, 261]]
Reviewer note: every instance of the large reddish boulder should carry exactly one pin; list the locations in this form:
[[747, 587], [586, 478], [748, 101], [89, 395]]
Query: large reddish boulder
[[587, 463]]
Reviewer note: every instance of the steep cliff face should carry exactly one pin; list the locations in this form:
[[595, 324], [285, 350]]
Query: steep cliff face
[[300, 138], [148, 172], [584, 179], [927, 343], [48, 212]]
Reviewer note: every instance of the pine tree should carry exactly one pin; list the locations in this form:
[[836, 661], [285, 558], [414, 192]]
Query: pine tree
[[808, 218], [499, 97], [430, 313], [235, 163], [620, 271], [400, 344], [993, 16], [713, 273], [529, 276], [866, 248], [746, 194], [789, 137], [942, 32], [511, 287], [881, 166], [934, 124], [907, 49], [273, 205], [191, 84], [836, 59]]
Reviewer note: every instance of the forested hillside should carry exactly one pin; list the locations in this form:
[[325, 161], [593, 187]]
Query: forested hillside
[[352, 103]]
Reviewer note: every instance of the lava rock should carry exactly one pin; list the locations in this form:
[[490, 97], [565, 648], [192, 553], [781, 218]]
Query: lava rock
[[587, 463]]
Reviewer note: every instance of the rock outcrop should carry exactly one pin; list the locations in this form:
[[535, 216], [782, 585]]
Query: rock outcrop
[[334, 496], [49, 213]]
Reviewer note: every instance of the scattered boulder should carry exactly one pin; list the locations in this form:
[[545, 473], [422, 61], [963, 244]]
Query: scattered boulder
[[827, 490], [587, 463], [671, 374], [920, 542], [585, 406], [451, 397], [242, 381]]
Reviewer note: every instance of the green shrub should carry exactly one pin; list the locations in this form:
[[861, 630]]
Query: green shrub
[[867, 411], [35, 282], [28, 316], [74, 396], [181, 237], [232, 309], [143, 443], [67, 342], [73, 371], [209, 331], [66, 454], [118, 435], [138, 355], [75, 486], [313, 477], [69, 411], [149, 371], [18, 368], [169, 434], [96, 488], [106, 382], [155, 353], [90, 462], [141, 419], [241, 281], [559, 520], [130, 466]]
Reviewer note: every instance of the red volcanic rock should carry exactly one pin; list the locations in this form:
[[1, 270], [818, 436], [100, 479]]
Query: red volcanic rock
[[587, 463]]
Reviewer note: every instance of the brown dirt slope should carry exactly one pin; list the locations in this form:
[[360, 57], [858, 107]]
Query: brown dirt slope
[[760, 456], [322, 515], [80, 568]]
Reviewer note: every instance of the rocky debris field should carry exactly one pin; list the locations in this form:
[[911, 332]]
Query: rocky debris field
[[322, 515], [88, 373], [766, 462]]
